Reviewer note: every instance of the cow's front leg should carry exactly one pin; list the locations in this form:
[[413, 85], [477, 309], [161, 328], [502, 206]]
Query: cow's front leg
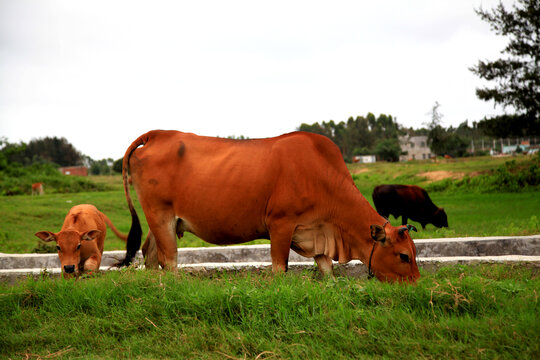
[[280, 245], [326, 267]]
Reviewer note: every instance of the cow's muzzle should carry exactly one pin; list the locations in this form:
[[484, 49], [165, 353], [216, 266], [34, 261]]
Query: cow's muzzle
[[69, 269]]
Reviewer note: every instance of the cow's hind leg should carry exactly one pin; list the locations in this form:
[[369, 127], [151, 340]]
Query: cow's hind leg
[[163, 227], [149, 250], [325, 265]]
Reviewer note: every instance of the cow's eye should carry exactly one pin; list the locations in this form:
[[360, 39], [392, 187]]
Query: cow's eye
[[78, 246], [57, 247], [404, 257]]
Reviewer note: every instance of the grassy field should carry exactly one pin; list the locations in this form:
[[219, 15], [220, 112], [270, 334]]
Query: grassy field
[[470, 213], [460, 312]]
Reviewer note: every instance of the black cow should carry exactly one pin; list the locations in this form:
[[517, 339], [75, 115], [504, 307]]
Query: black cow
[[409, 202]]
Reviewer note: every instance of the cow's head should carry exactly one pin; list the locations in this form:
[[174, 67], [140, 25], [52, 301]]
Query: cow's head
[[68, 244], [393, 257], [440, 219]]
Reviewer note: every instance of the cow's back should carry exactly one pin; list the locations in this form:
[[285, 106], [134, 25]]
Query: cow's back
[[410, 201], [387, 200]]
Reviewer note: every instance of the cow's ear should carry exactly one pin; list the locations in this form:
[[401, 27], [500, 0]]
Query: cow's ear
[[91, 235], [46, 236], [378, 233]]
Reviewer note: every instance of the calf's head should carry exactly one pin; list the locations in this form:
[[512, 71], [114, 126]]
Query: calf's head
[[68, 244], [393, 257]]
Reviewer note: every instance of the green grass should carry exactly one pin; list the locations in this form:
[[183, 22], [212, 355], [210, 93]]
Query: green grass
[[483, 311]]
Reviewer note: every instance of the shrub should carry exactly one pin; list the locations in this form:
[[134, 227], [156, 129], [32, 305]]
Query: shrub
[[510, 177]]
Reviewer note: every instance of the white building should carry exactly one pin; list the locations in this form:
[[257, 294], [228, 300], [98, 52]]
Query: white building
[[416, 148], [364, 159]]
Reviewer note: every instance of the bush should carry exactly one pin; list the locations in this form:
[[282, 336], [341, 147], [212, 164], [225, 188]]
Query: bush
[[510, 177], [43, 247]]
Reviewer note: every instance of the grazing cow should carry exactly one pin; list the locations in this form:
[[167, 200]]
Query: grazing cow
[[80, 241], [409, 202], [37, 189], [294, 190]]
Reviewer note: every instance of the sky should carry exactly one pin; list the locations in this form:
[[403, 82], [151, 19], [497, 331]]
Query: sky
[[100, 73]]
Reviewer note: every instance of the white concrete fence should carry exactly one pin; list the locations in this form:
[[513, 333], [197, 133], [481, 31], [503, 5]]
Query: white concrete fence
[[431, 253]]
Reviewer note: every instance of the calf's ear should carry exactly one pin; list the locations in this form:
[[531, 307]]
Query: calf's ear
[[90, 235], [46, 236], [378, 233]]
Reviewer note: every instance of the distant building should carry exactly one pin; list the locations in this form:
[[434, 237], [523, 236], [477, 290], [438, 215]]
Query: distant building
[[512, 149], [416, 148], [74, 170], [364, 159]]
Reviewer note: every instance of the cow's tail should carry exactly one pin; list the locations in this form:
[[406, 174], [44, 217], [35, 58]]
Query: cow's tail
[[133, 242], [114, 229]]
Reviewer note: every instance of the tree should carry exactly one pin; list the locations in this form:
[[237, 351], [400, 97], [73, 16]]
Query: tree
[[49, 150], [446, 141], [436, 133], [101, 167], [361, 135], [117, 166], [517, 77], [388, 150]]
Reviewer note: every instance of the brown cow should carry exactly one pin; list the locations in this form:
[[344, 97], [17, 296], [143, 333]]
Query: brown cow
[[294, 189], [80, 241], [37, 189]]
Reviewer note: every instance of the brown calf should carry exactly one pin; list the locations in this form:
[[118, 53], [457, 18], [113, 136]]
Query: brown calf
[[80, 241], [37, 189]]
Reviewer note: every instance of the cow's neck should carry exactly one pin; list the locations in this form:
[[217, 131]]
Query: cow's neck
[[355, 223]]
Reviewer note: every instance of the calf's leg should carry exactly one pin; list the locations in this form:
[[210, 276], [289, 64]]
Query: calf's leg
[[92, 263]]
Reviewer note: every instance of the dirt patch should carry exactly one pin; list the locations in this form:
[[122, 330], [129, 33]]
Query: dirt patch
[[360, 170], [441, 175]]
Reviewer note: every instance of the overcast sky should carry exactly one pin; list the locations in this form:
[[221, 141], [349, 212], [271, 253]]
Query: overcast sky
[[101, 73]]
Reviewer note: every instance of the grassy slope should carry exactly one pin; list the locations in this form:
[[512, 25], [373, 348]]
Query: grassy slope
[[469, 214], [488, 311]]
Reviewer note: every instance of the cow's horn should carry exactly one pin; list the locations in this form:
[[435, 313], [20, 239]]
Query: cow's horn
[[411, 227]]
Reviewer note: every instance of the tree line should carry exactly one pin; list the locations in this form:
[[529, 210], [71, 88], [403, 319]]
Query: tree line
[[56, 151], [379, 136], [361, 135]]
